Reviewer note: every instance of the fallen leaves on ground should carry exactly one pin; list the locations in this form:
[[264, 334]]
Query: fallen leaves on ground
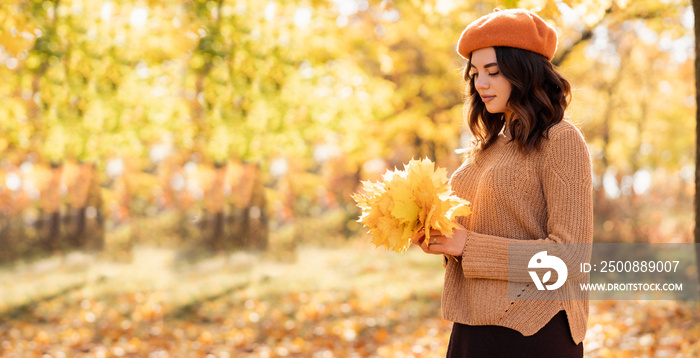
[[306, 324], [315, 319]]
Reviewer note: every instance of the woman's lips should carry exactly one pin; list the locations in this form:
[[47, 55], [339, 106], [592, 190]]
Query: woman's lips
[[487, 99]]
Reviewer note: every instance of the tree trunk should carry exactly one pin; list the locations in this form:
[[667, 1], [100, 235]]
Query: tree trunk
[[696, 11], [213, 217], [11, 234], [259, 231], [76, 196], [249, 221], [49, 223], [83, 221]]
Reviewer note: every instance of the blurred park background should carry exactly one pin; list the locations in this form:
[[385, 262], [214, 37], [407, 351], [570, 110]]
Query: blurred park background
[[175, 176]]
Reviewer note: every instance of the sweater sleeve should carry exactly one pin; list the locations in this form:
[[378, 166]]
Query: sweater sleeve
[[566, 178]]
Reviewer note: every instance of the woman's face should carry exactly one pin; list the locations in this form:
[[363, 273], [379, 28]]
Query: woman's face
[[493, 88]]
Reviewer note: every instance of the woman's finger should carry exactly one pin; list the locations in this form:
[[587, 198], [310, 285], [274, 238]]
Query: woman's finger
[[418, 237], [435, 244], [435, 232]]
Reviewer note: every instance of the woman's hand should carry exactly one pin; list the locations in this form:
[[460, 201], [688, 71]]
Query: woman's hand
[[440, 244]]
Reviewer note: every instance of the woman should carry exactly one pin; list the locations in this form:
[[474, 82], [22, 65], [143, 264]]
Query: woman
[[528, 179]]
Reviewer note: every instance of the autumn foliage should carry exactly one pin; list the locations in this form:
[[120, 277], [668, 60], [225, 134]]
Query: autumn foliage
[[418, 197], [206, 128]]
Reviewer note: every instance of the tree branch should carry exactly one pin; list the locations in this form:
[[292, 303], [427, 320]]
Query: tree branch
[[585, 36]]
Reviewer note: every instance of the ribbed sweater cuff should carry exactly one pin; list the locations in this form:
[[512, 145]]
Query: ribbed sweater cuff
[[484, 258], [488, 257]]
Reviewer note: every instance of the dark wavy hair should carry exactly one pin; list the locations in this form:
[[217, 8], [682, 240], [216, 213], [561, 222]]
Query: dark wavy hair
[[538, 99]]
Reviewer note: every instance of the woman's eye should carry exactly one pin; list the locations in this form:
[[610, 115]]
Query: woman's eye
[[495, 73], [473, 75]]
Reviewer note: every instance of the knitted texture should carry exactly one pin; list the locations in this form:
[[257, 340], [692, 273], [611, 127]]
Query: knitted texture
[[546, 197], [512, 28]]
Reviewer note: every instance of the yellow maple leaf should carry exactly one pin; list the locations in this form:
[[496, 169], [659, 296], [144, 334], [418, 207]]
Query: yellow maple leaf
[[407, 200]]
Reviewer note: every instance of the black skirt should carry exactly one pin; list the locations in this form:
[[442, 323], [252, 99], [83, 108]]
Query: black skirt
[[553, 340]]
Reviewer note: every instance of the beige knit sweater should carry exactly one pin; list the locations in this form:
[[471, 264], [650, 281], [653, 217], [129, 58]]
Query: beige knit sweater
[[544, 196]]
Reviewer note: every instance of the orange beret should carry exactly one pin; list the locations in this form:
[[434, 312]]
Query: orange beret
[[513, 28]]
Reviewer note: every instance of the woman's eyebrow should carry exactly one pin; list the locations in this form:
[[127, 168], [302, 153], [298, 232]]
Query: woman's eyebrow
[[492, 64]]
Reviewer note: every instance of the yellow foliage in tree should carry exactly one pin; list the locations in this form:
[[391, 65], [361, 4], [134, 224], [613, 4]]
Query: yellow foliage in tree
[[406, 201]]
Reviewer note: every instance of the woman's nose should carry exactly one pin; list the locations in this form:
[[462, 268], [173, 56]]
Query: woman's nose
[[481, 83]]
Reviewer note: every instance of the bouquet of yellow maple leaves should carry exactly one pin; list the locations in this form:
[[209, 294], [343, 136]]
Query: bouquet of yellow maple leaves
[[406, 201]]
